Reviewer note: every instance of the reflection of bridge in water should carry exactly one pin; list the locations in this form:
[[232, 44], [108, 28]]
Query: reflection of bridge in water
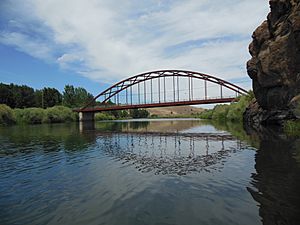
[[164, 153], [151, 126]]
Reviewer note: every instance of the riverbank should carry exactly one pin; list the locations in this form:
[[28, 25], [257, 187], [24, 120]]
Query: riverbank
[[232, 112], [60, 114], [56, 114], [174, 116]]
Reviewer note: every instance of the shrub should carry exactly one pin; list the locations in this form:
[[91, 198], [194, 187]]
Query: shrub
[[104, 116], [59, 114], [18, 114], [56, 114], [233, 112], [236, 110], [220, 112], [250, 96], [292, 127], [139, 113], [6, 115], [30, 115], [154, 116], [207, 114]]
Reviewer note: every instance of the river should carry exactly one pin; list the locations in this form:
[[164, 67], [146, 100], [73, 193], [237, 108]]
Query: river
[[139, 172]]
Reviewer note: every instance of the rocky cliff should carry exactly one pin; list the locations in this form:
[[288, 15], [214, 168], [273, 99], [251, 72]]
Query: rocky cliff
[[275, 65]]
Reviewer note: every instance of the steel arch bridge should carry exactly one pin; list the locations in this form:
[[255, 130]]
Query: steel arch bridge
[[157, 80]]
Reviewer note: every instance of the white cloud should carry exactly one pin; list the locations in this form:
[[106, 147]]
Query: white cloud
[[110, 40], [23, 43]]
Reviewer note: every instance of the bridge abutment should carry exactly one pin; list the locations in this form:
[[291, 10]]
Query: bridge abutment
[[86, 116]]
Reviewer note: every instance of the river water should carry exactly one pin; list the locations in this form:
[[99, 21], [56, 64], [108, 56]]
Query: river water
[[140, 172]]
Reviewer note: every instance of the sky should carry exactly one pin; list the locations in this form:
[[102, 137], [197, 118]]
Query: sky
[[95, 43]]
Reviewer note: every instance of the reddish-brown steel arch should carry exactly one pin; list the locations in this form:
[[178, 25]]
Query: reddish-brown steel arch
[[126, 83]]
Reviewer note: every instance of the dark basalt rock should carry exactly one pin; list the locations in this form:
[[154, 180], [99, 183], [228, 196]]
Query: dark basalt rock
[[255, 115], [275, 64]]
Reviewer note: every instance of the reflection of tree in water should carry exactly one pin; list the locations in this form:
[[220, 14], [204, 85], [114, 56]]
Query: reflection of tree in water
[[139, 124], [277, 179], [108, 126], [120, 126], [173, 125], [170, 154], [46, 138], [236, 129], [147, 125]]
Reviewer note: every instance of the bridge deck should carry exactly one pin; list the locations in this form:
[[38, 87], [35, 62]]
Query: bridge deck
[[155, 105]]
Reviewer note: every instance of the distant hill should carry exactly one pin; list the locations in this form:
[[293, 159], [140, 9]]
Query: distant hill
[[176, 110]]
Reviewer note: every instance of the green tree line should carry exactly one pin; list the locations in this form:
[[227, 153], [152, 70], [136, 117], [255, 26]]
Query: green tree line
[[22, 96]]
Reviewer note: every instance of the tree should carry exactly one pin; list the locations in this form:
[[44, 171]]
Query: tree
[[69, 97], [51, 97], [47, 97], [23, 96], [27, 94], [38, 96], [76, 97], [82, 97], [17, 96], [6, 95], [139, 113], [124, 114]]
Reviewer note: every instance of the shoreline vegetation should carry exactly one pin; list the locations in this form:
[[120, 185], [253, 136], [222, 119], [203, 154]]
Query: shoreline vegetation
[[58, 114], [228, 112], [55, 114], [292, 127], [24, 105], [21, 104]]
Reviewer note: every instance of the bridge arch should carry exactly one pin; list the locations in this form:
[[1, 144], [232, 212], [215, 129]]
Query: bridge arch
[[143, 77]]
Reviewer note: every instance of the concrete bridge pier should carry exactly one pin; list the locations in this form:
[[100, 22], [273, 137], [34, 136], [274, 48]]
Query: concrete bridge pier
[[86, 126], [86, 116]]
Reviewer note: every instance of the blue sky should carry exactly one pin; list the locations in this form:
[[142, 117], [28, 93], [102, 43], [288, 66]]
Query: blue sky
[[96, 43]]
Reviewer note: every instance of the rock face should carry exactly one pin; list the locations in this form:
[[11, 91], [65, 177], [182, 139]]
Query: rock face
[[275, 64]]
